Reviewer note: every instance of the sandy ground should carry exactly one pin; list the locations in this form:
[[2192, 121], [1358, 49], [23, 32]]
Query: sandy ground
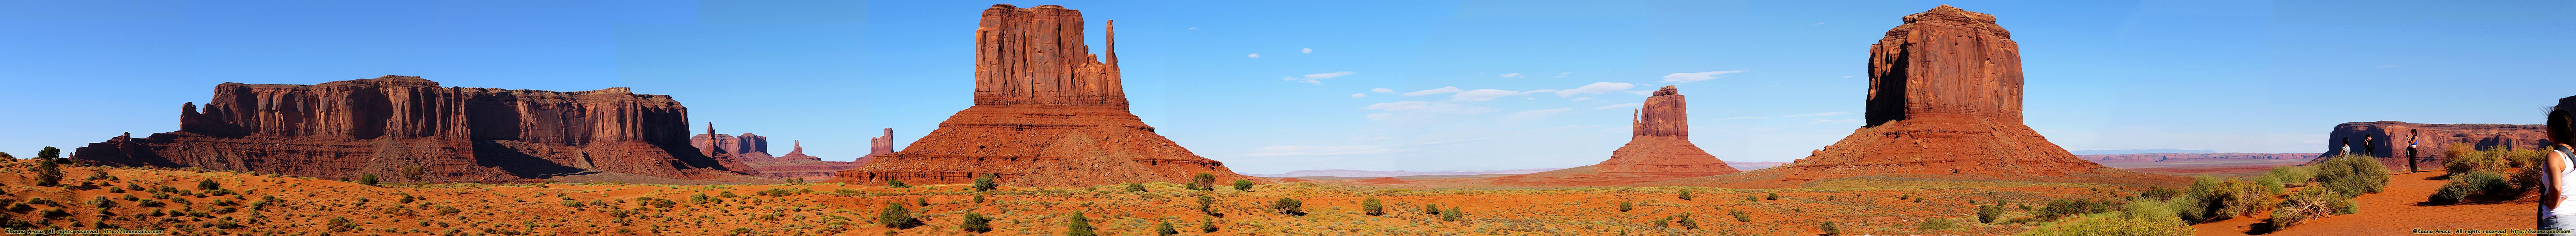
[[2397, 212]]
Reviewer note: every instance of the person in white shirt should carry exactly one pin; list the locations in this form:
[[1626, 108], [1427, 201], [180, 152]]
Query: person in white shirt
[[2561, 189]]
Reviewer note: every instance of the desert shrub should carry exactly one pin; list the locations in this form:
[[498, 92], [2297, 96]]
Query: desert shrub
[[1685, 221], [1740, 216], [1372, 207], [1243, 185], [1828, 228], [49, 174], [2292, 176], [1452, 214], [208, 184], [99, 174], [2269, 185], [985, 182], [1204, 201], [1937, 224], [924, 201], [1207, 224], [1289, 206], [1772, 196], [2070, 207], [2213, 199], [979, 198], [5, 156], [2111, 225], [975, 223], [367, 179], [1165, 229], [404, 198], [2464, 160], [2353, 175], [894, 216], [1431, 209], [2524, 157], [1685, 195], [896, 183], [101, 202], [727, 194], [2527, 178], [1135, 187], [1076, 225], [1625, 206], [1203, 181], [49, 154], [2309, 204], [572, 203], [1987, 214], [2471, 185]]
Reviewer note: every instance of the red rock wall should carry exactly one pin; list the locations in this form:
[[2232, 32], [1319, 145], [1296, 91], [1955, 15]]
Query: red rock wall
[[381, 125], [2388, 140], [1661, 141], [1046, 113], [1945, 63]]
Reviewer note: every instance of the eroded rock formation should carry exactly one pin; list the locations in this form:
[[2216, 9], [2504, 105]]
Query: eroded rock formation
[[2388, 139], [745, 143], [1944, 103], [1658, 149], [881, 145], [796, 164], [1046, 113], [410, 129]]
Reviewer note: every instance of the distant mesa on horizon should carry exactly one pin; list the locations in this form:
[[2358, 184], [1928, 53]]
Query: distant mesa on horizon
[[2136, 151], [1658, 149], [1944, 102], [1047, 113], [754, 154], [408, 129], [2390, 140], [1396, 173]]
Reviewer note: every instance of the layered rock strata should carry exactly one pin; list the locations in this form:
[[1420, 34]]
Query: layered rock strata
[[796, 164], [1944, 103], [409, 129], [1046, 113], [1658, 149], [2388, 140]]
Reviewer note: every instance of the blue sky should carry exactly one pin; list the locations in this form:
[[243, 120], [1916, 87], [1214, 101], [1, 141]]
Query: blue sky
[[1537, 84]]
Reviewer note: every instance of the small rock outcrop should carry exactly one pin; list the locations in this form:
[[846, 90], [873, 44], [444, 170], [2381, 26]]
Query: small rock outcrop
[[2388, 140], [1658, 149], [1944, 102], [1047, 113], [881, 145], [796, 164], [408, 129]]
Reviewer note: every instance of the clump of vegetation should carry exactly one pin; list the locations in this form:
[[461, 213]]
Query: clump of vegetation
[[2477, 184], [2213, 199], [1452, 214], [1431, 209], [1204, 201], [1165, 229], [1372, 207], [1685, 195], [1771, 196], [1685, 221], [1828, 228], [1135, 187], [367, 179], [894, 216], [1625, 206], [1987, 213], [1289, 206], [1243, 185], [976, 223], [1076, 225], [1740, 216], [2309, 204], [1937, 224], [48, 173], [2352, 175], [2292, 176], [985, 182], [208, 184], [1207, 224], [896, 183], [1203, 182], [2070, 207]]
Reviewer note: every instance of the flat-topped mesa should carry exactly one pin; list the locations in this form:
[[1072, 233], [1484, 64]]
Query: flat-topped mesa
[[1945, 63], [1664, 115], [388, 124], [2388, 140], [1036, 56], [1046, 113], [1945, 92]]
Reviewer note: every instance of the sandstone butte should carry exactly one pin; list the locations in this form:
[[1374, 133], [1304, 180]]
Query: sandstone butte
[[754, 155], [1658, 149], [1046, 113], [2388, 139], [1944, 104], [408, 129]]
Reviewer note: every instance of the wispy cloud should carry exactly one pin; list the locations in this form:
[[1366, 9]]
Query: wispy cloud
[[1306, 50], [1743, 118], [1482, 95], [1534, 114], [1595, 87], [1305, 150], [1382, 90], [1696, 76], [1316, 78], [1359, 95], [1512, 75], [1563, 74], [1630, 105], [1441, 90], [1819, 114], [1254, 55]]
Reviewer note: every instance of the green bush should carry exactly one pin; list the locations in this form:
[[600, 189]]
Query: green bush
[[1452, 214], [1203, 181], [2463, 159], [1135, 187], [1204, 201], [2353, 175], [1431, 209], [1772, 196], [894, 216], [2214, 199], [1828, 228], [975, 223], [49, 154], [1076, 225], [48, 173], [2292, 176], [1165, 229], [1289, 206], [367, 179], [1207, 224], [2070, 207], [2111, 225], [1740, 216], [896, 183], [2463, 187], [1625, 206], [985, 182], [1685, 195], [1372, 207], [1937, 224], [2269, 185], [1685, 221], [1987, 214], [1243, 185]]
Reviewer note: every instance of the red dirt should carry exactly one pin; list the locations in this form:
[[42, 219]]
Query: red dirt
[[2394, 212]]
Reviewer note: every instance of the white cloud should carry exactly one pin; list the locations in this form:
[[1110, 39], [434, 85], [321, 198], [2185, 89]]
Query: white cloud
[[1696, 76], [1512, 75], [1316, 78], [1359, 95], [1382, 90], [1595, 87], [1440, 90], [1583, 98], [1420, 110], [1819, 23], [1641, 92], [1630, 105], [1819, 114], [1532, 114], [1743, 118], [1401, 106], [1482, 94], [1306, 50], [1194, 28], [1563, 74], [1254, 55], [1818, 122]]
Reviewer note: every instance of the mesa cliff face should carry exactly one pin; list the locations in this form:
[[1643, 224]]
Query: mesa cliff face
[[1658, 149], [1046, 113], [2388, 140], [795, 164], [387, 125], [1944, 103], [881, 145]]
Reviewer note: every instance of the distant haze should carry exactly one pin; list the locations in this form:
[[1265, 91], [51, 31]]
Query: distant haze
[[2136, 151]]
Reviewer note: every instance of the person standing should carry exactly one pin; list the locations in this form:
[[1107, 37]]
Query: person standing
[[2554, 215], [2411, 136]]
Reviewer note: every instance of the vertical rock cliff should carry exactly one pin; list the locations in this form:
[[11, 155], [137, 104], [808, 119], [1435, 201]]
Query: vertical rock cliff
[[1658, 149], [1047, 113], [389, 125], [2388, 139], [1944, 102], [881, 145]]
